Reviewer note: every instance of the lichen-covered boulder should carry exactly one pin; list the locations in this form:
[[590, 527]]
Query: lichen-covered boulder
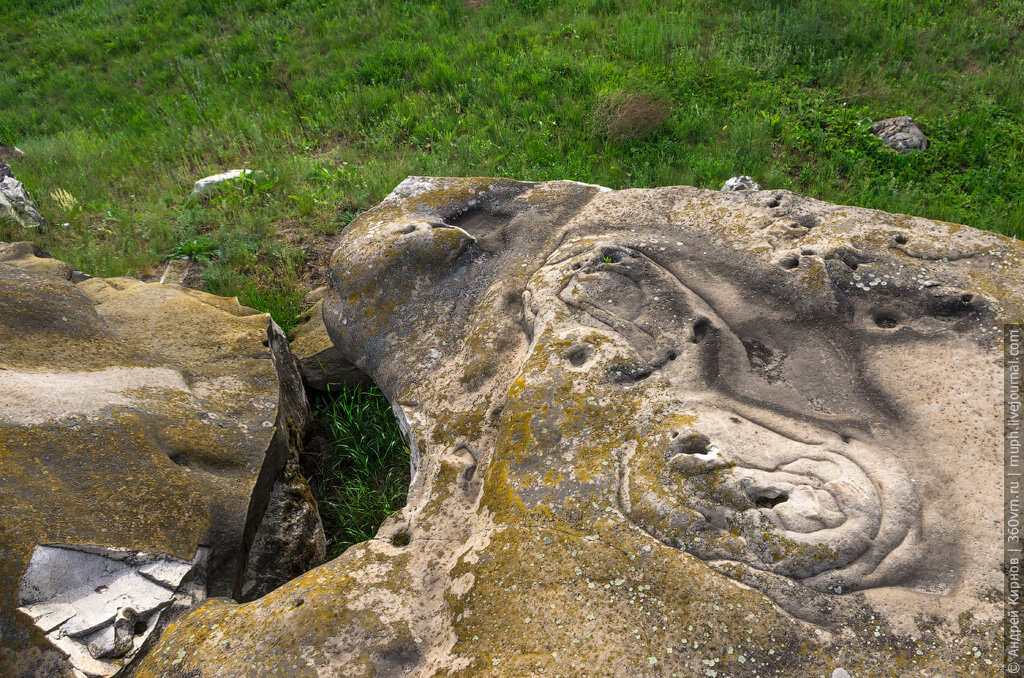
[[145, 431], [667, 432]]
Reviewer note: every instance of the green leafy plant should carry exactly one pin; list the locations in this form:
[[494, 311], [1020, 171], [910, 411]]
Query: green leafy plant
[[198, 247], [364, 477]]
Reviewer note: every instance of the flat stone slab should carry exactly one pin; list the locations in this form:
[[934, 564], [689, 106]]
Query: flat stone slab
[[658, 432]]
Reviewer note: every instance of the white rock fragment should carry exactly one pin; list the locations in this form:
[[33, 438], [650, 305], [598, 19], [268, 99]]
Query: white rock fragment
[[742, 183], [207, 184], [100, 605]]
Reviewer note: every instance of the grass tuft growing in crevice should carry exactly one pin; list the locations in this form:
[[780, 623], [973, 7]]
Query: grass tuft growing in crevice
[[284, 307], [361, 474]]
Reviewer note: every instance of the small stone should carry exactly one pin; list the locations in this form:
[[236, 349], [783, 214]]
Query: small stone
[[16, 204], [207, 185], [742, 183], [900, 134]]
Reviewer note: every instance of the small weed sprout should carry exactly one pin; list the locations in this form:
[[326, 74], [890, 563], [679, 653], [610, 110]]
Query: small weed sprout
[[607, 259], [630, 115], [200, 247]]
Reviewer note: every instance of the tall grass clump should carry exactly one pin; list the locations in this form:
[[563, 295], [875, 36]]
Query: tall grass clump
[[364, 476], [630, 115]]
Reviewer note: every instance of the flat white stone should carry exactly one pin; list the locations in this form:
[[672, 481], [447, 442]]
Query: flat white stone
[[205, 184], [166, 572], [75, 595]]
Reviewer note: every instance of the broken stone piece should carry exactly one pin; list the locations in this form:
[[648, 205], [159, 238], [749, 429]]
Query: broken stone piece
[[99, 605], [207, 185], [743, 183], [16, 204], [176, 271], [900, 133]]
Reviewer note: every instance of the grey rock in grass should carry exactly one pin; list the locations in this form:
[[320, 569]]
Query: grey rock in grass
[[16, 204], [5, 170], [207, 185], [900, 134], [840, 673], [743, 183], [651, 417]]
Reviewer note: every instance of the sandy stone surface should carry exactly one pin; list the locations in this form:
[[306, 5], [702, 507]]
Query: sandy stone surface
[[665, 432], [144, 430]]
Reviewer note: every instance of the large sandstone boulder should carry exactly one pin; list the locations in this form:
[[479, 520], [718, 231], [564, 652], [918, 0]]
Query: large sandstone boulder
[[149, 440], [668, 432]]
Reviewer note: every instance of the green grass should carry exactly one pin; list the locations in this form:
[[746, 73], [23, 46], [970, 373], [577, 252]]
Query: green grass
[[367, 469], [122, 104]]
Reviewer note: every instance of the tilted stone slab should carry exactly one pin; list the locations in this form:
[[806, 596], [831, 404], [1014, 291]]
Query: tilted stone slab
[[322, 365], [143, 419], [26, 255], [658, 432]]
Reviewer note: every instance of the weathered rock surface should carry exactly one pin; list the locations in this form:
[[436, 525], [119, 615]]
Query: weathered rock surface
[[176, 271], [658, 432], [207, 185], [16, 204], [743, 183], [146, 432], [9, 153], [320, 362], [31, 257], [900, 133]]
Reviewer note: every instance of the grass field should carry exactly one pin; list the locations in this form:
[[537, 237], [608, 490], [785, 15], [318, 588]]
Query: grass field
[[120, 105]]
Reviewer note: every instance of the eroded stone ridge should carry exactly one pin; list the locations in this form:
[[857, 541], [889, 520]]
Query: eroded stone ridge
[[658, 432]]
